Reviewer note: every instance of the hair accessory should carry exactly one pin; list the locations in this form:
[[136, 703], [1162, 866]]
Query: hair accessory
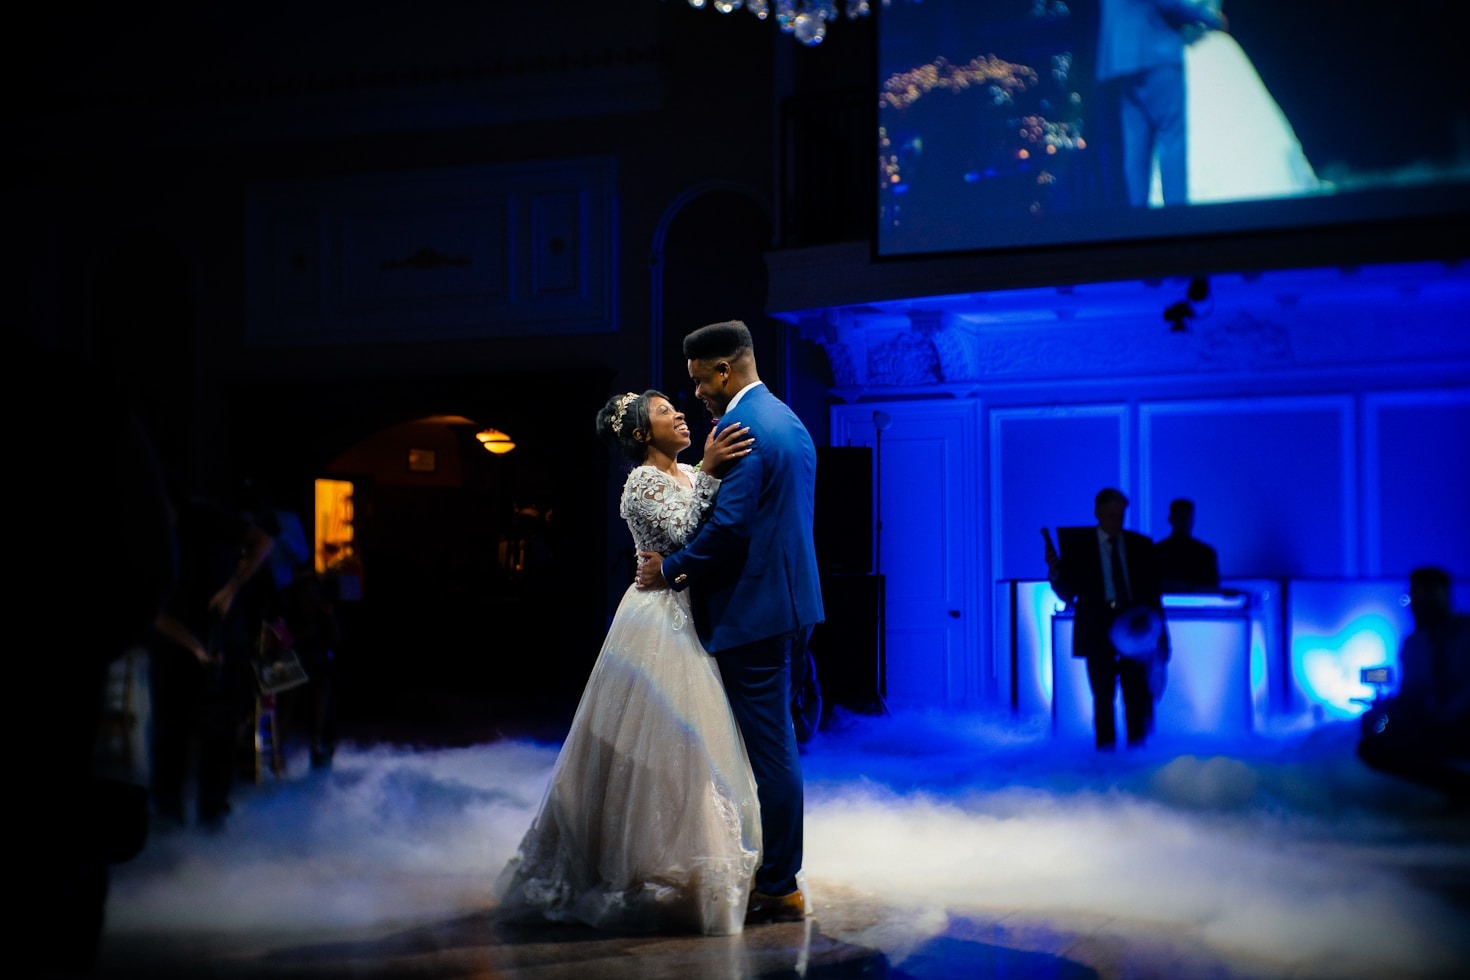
[[623, 403]]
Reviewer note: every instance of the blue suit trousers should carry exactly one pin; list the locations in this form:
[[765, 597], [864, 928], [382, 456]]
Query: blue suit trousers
[[757, 679]]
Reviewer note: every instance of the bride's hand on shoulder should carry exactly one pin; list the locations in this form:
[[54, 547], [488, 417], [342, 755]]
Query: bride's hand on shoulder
[[724, 449]]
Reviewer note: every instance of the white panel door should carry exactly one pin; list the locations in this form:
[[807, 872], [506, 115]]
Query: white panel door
[[926, 507]]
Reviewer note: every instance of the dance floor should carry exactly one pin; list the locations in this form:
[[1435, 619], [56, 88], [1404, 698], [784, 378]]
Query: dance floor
[[939, 845]]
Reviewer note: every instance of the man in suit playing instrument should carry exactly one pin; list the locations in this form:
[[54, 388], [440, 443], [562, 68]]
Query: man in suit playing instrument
[[755, 592], [1110, 578]]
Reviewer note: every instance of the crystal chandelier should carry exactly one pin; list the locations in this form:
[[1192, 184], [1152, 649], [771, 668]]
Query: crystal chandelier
[[806, 20]]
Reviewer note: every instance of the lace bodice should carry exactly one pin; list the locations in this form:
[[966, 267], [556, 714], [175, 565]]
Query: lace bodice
[[661, 512]]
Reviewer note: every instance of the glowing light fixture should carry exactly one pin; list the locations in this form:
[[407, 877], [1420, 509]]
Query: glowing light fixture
[[806, 20], [495, 441]]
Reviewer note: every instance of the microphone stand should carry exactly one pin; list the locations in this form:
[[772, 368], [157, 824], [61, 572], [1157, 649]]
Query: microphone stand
[[881, 421]]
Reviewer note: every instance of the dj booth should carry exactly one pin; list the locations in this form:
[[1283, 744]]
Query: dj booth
[[1208, 685], [1261, 653]]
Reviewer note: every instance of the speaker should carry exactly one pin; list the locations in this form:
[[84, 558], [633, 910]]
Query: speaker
[[845, 646], [842, 525]]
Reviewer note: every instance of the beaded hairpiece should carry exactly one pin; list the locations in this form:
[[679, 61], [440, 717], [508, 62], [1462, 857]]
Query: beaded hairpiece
[[623, 403]]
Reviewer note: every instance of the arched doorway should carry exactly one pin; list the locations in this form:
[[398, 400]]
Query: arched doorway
[[476, 607]]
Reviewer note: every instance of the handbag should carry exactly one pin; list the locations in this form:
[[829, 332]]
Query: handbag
[[277, 667]]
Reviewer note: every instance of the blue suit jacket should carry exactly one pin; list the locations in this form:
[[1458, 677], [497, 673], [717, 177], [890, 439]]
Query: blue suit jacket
[[752, 567], [1136, 35]]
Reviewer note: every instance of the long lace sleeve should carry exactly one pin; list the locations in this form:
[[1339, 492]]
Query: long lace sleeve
[[705, 485], [663, 514]]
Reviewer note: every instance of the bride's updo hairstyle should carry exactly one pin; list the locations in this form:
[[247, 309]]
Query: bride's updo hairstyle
[[622, 417]]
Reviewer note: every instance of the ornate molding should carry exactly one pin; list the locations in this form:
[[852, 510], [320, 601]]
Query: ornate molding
[[1298, 321]]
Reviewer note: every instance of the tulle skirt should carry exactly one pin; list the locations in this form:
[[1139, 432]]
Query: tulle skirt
[[1241, 145], [650, 822]]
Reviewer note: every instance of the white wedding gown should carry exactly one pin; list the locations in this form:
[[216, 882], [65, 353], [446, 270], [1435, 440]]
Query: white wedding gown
[[1241, 145], [650, 822]]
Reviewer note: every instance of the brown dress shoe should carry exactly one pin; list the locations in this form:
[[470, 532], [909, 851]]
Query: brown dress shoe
[[775, 908]]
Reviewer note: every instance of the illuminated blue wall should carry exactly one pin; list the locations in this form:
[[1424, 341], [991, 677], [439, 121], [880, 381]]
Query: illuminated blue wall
[[1326, 444]]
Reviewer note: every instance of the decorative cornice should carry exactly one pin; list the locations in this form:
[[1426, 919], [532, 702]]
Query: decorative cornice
[[1300, 322]]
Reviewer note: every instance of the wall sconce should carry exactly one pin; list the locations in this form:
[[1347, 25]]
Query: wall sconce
[[495, 441]]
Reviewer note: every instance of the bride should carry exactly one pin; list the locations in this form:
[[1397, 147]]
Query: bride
[[1241, 145], [650, 822]]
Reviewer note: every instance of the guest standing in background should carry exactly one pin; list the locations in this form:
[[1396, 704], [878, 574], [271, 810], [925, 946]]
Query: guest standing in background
[[203, 689], [93, 558], [1422, 733], [1186, 564]]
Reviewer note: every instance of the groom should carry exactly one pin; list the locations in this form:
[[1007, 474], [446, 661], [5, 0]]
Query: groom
[[1140, 60], [753, 571]]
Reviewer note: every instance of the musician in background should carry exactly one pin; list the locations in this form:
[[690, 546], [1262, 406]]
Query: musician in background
[[1110, 578]]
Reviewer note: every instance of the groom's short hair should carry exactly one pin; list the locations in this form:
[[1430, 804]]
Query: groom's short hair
[[726, 340]]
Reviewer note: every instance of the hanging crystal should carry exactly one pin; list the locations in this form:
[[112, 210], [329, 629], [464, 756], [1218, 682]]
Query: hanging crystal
[[809, 28], [806, 20]]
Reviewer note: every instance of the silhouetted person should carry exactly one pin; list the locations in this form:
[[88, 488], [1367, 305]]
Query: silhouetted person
[[290, 550], [92, 554], [309, 607], [203, 689], [1110, 579], [1186, 564], [1423, 731], [295, 595]]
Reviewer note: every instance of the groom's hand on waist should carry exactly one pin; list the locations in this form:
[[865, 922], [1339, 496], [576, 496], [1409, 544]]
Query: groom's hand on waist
[[650, 574]]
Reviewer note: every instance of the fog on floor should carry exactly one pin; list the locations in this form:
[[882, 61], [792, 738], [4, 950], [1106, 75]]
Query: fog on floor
[[1281, 846]]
